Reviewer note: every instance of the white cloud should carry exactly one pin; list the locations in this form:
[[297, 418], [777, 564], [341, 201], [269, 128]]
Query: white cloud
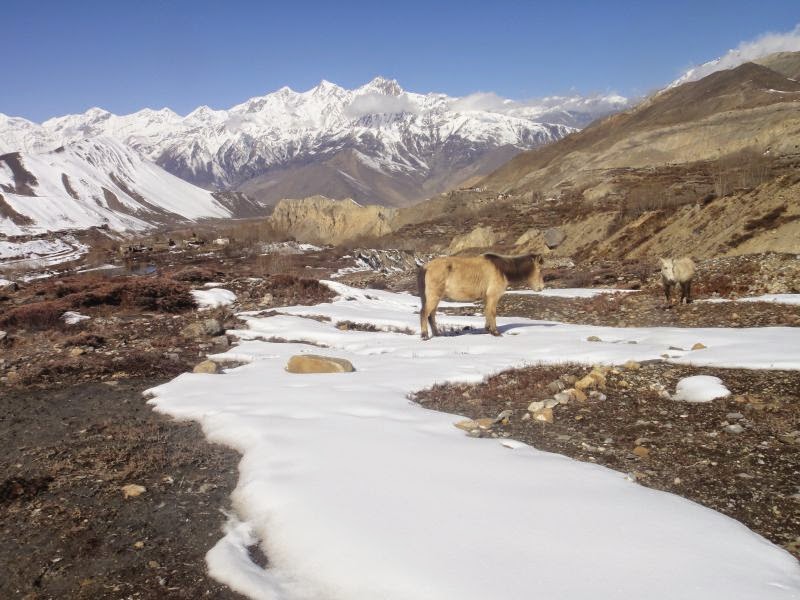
[[763, 45], [374, 103], [484, 101]]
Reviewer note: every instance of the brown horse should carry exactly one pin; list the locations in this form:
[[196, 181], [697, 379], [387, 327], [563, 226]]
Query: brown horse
[[469, 278]]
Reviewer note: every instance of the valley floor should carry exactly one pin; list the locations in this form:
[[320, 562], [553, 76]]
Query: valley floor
[[78, 431]]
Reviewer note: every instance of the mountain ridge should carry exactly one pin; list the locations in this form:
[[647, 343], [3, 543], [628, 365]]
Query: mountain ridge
[[404, 140]]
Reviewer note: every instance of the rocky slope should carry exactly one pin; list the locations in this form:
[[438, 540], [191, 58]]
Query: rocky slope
[[708, 167], [376, 143]]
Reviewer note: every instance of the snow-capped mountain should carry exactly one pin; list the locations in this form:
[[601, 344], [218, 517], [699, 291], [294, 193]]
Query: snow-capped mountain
[[376, 143], [96, 182]]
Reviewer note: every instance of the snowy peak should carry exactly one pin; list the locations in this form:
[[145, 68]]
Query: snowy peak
[[375, 128]]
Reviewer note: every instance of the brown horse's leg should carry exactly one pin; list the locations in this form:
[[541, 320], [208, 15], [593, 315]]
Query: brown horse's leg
[[688, 292], [432, 319], [491, 313]]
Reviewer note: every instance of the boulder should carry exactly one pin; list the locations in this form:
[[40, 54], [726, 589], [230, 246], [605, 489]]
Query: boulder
[[312, 363], [207, 366], [553, 237], [206, 327], [480, 237]]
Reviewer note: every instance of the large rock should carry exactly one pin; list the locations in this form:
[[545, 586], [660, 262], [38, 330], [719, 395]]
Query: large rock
[[320, 220], [207, 366], [553, 237], [480, 237], [313, 363], [206, 327]]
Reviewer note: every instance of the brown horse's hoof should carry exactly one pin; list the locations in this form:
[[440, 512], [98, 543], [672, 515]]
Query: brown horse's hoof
[[425, 338], [496, 333]]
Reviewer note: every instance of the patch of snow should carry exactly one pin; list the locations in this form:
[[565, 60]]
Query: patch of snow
[[571, 292], [289, 248], [5, 283], [700, 388], [213, 298], [71, 318], [354, 492], [775, 298]]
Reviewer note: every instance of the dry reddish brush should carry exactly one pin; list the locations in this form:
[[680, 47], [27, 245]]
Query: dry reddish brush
[[155, 294]]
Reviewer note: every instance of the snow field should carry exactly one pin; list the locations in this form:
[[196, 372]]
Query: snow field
[[355, 492]]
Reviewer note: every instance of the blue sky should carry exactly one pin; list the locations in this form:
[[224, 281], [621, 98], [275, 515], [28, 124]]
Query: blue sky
[[62, 57]]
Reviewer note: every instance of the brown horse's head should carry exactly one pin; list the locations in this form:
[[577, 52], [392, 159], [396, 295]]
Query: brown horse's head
[[535, 280]]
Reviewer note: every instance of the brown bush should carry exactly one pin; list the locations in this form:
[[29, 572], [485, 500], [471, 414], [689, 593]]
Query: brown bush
[[39, 315], [194, 275], [155, 294], [85, 339]]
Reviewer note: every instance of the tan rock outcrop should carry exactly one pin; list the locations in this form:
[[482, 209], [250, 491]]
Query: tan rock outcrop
[[320, 220], [480, 237]]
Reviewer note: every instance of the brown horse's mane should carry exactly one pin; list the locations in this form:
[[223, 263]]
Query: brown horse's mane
[[514, 268]]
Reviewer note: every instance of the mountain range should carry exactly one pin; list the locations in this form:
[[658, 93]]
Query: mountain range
[[377, 143]]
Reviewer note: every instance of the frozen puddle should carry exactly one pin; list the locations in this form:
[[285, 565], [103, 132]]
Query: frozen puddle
[[357, 493]]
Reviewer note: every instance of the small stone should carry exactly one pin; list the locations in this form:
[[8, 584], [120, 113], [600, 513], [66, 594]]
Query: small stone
[[676, 348], [734, 416], [138, 545], [133, 490], [485, 423], [503, 417], [545, 415], [551, 403], [563, 397], [735, 428], [585, 382], [641, 452], [556, 386], [153, 564], [312, 363], [577, 394], [632, 365], [677, 481], [466, 425], [699, 346], [593, 338], [597, 396], [221, 341], [76, 352], [568, 379], [536, 406], [526, 416], [207, 366]]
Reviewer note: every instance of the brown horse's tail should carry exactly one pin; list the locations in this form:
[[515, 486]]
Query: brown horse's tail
[[421, 285]]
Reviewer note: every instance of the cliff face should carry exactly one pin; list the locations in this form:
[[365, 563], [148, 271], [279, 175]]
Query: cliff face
[[320, 220]]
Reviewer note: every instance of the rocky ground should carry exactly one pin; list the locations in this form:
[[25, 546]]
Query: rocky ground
[[739, 455], [77, 431]]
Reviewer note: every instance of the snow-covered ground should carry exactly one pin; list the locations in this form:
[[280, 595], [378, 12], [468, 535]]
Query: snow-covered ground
[[41, 253], [213, 297], [357, 493], [571, 292], [775, 298]]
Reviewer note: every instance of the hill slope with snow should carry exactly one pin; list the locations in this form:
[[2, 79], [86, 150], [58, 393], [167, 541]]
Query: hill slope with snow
[[94, 183], [377, 143]]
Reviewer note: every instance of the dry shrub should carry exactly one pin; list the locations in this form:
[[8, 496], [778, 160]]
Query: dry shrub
[[36, 316], [155, 294], [195, 275], [85, 338], [289, 289]]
